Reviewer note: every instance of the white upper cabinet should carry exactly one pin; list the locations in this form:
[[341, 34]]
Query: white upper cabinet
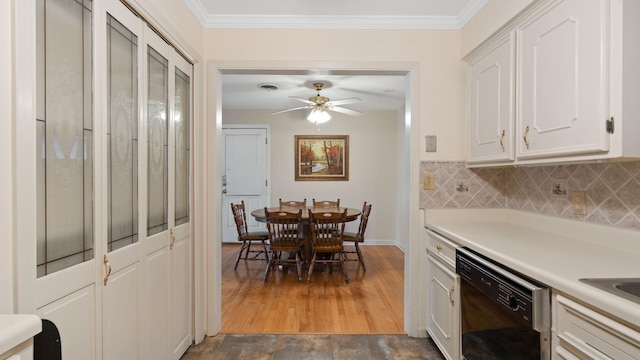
[[562, 102], [491, 100], [575, 76]]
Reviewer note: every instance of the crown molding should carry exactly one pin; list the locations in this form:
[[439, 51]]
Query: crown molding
[[198, 10], [333, 21], [470, 11]]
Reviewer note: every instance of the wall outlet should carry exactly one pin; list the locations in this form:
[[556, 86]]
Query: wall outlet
[[559, 188], [461, 186], [579, 202], [429, 181], [431, 143]]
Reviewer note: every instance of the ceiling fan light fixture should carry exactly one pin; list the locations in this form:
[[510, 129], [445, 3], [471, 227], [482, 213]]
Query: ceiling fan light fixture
[[318, 116]]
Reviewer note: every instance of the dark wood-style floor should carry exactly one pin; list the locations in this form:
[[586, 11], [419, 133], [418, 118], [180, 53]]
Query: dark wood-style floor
[[371, 303]]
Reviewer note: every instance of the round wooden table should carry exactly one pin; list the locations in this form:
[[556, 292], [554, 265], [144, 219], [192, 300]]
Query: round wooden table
[[259, 215]]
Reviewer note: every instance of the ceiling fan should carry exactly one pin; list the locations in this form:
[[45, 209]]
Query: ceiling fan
[[319, 106]]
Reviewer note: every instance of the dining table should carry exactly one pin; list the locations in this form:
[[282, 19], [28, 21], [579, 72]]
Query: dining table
[[260, 216]]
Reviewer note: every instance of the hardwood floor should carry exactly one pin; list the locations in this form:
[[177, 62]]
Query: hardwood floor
[[371, 303]]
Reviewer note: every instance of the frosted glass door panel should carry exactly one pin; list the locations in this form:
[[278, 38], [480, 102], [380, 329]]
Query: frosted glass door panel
[[182, 118], [64, 135], [158, 165], [122, 135]]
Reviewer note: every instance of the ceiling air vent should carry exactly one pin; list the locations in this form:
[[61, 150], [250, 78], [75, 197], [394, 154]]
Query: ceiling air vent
[[268, 87]]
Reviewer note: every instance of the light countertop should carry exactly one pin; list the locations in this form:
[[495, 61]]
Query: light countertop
[[16, 329], [556, 252]]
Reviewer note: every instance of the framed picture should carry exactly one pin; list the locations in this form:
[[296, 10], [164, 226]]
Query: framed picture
[[322, 157]]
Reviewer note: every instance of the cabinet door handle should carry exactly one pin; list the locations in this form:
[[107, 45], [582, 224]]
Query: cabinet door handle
[[439, 247], [172, 239], [451, 296], [526, 137], [105, 261], [502, 140]]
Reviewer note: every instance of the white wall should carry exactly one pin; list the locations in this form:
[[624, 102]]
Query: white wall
[[6, 156], [373, 165]]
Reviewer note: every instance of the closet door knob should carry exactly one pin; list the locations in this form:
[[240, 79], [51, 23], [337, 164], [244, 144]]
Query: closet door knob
[[107, 266]]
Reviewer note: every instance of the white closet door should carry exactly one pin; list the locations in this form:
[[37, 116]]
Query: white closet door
[[181, 265], [166, 248], [155, 191], [104, 181], [121, 259], [60, 202]]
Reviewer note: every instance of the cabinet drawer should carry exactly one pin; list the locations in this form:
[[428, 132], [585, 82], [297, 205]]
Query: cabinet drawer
[[441, 248], [591, 335]]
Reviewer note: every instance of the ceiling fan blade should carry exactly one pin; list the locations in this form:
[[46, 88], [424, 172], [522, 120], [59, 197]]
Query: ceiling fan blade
[[302, 100], [345, 101], [296, 108], [344, 110]]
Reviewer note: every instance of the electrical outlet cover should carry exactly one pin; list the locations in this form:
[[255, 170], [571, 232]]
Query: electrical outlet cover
[[579, 202], [429, 181]]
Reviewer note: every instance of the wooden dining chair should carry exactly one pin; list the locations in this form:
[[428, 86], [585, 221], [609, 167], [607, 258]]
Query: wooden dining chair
[[326, 236], [326, 204], [293, 203], [284, 237], [247, 238], [356, 238]]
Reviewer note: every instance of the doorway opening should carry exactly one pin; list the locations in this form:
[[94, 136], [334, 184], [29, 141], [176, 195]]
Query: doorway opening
[[407, 230]]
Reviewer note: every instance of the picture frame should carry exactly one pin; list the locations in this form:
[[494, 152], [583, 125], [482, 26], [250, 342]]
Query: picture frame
[[321, 157]]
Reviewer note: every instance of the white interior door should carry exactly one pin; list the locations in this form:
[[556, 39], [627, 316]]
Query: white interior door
[[245, 156]]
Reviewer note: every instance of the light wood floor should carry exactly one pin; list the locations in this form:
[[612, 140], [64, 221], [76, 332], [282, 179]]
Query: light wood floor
[[371, 303]]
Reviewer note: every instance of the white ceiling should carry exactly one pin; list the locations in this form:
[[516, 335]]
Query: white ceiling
[[377, 91]]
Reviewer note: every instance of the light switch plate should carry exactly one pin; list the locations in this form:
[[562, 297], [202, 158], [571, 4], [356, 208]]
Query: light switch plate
[[431, 143]]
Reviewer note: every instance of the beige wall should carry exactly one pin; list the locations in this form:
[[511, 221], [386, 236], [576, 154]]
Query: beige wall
[[492, 17], [373, 162], [442, 73], [175, 19]]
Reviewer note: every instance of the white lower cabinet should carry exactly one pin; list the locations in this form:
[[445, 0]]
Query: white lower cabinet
[[443, 296], [581, 332]]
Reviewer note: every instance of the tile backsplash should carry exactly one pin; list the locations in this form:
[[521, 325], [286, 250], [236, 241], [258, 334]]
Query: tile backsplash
[[612, 190]]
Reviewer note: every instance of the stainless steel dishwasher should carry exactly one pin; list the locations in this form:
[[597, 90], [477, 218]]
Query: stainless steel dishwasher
[[503, 314]]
